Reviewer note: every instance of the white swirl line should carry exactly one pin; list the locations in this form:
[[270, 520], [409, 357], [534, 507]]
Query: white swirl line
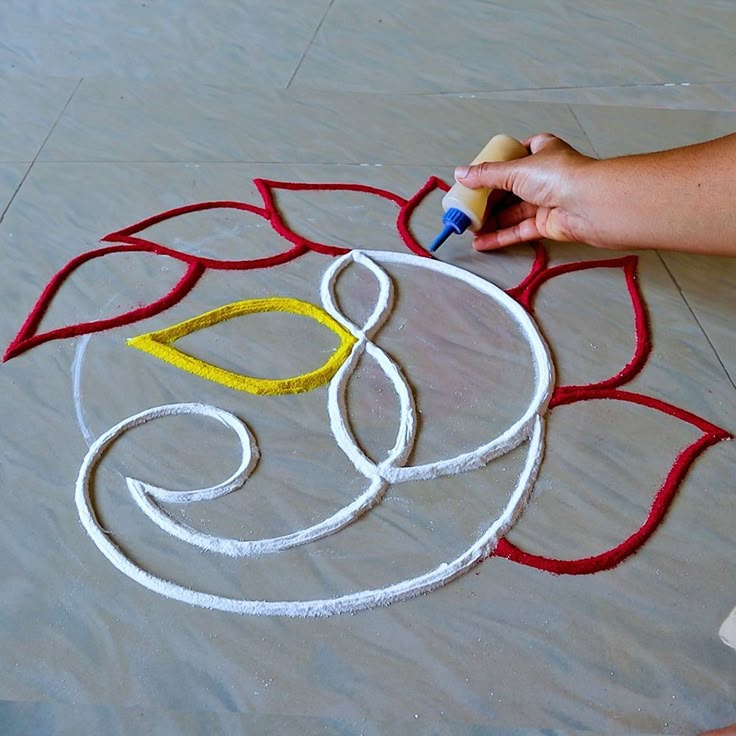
[[248, 460], [255, 547], [512, 437], [384, 301], [393, 469], [435, 578], [338, 413]]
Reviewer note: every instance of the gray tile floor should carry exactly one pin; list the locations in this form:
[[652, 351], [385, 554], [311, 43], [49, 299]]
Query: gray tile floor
[[113, 113]]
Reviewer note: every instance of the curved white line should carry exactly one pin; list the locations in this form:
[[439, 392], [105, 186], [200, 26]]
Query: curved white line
[[435, 578], [79, 356], [384, 300], [338, 412], [77, 363], [248, 460], [391, 470], [255, 547], [519, 430]]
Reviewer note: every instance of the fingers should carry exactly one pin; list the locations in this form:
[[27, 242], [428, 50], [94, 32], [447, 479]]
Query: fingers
[[541, 140], [495, 175], [509, 216], [502, 174], [522, 232], [536, 180]]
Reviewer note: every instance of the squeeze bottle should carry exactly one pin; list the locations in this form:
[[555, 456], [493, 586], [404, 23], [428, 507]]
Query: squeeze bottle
[[466, 208]]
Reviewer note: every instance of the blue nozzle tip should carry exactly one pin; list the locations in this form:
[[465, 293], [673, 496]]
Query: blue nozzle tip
[[447, 230], [455, 221]]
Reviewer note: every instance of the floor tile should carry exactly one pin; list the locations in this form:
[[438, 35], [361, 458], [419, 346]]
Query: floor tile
[[29, 107], [125, 121], [10, 176], [600, 473], [679, 96], [709, 286], [185, 102], [485, 46], [245, 41], [618, 131]]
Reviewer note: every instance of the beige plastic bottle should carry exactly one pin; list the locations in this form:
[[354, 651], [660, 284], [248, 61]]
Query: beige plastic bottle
[[465, 208]]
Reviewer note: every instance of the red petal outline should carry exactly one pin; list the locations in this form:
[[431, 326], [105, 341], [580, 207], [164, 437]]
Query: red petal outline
[[128, 239], [642, 333], [129, 235], [28, 338], [266, 187], [407, 210], [271, 213], [662, 499], [541, 259]]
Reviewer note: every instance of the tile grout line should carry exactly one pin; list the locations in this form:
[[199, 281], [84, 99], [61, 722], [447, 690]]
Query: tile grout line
[[58, 118], [571, 87], [17, 189], [38, 153], [585, 132], [309, 45], [697, 321]]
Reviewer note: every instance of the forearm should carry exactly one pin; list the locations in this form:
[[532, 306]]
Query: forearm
[[682, 199]]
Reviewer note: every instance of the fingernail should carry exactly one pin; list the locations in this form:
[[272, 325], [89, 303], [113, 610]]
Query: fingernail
[[461, 172]]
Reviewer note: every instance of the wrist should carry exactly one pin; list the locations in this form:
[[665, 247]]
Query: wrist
[[585, 201]]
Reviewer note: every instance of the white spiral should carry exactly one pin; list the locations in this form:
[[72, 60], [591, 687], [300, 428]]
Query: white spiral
[[392, 469]]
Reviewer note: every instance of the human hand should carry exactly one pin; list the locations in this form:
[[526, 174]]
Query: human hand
[[546, 185]]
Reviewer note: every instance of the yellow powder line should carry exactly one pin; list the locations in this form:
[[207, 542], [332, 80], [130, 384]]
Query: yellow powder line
[[160, 345]]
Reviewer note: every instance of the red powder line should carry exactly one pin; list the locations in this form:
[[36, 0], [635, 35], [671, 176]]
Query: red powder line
[[128, 239], [642, 331], [541, 259], [28, 338], [662, 499]]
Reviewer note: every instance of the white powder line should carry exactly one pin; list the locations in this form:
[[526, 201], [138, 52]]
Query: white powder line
[[384, 302], [338, 412], [248, 460], [393, 469], [79, 356], [512, 437], [77, 364], [255, 547], [440, 575]]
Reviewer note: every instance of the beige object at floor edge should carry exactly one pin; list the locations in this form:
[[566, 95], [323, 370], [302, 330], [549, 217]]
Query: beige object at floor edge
[[727, 631]]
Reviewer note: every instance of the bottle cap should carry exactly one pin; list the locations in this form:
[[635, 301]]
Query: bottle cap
[[455, 221]]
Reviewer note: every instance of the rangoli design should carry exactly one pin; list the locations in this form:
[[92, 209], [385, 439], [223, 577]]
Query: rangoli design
[[354, 341]]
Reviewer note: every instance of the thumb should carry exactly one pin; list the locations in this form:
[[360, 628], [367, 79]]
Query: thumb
[[493, 175]]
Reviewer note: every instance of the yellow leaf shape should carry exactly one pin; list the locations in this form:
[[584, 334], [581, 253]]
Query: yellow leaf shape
[[160, 345]]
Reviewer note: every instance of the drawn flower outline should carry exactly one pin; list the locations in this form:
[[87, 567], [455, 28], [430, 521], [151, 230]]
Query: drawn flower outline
[[132, 239]]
